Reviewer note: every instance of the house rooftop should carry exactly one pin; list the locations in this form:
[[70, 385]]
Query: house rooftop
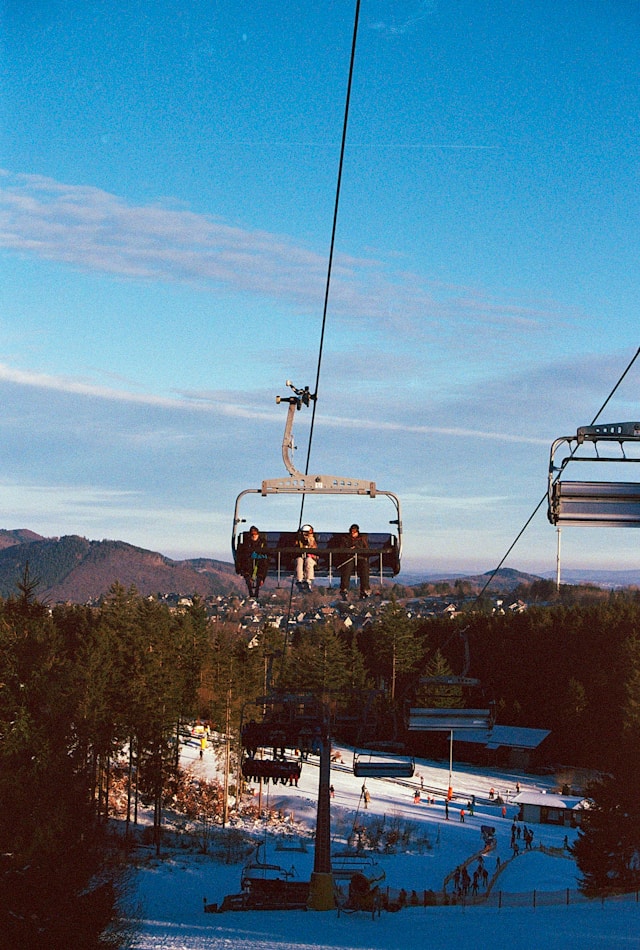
[[551, 800], [514, 737]]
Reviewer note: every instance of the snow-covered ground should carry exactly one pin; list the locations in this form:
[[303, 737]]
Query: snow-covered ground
[[171, 889]]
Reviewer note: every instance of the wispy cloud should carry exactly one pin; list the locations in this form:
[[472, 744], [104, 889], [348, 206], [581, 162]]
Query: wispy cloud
[[211, 402], [444, 500], [380, 426], [86, 509], [64, 385], [411, 15], [228, 405], [100, 232]]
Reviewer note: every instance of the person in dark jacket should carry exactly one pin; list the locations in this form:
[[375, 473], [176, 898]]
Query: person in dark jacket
[[360, 565], [253, 561]]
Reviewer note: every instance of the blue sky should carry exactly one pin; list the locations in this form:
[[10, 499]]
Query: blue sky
[[166, 199]]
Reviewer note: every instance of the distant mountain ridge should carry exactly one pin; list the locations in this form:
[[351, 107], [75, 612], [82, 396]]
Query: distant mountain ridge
[[504, 580], [77, 570], [9, 538], [508, 578]]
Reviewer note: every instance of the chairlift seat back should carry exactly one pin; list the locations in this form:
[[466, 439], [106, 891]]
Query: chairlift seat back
[[282, 548], [365, 766], [600, 504]]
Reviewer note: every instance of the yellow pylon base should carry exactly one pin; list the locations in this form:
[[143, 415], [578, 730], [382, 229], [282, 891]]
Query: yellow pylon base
[[321, 896]]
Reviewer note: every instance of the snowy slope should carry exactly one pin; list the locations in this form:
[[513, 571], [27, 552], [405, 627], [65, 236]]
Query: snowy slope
[[171, 889]]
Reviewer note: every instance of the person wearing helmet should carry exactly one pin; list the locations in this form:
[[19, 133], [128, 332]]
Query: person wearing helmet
[[358, 564], [305, 562], [253, 561]]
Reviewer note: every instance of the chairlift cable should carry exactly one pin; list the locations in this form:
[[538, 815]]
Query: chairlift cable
[[325, 307], [334, 227], [544, 497], [604, 404]]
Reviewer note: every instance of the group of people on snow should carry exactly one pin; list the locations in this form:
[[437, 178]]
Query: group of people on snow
[[465, 883]]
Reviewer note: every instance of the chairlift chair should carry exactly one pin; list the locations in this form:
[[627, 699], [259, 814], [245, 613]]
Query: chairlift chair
[[442, 718], [283, 546], [285, 771], [605, 504], [287, 722], [345, 864], [370, 764]]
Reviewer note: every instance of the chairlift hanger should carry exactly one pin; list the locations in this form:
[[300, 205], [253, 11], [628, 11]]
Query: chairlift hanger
[[594, 503], [283, 546], [300, 483]]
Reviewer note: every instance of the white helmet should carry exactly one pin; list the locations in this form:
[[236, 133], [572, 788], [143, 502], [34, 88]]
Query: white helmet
[[307, 527]]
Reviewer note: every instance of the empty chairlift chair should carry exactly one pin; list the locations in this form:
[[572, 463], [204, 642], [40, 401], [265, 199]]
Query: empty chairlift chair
[[379, 765], [443, 718], [605, 504]]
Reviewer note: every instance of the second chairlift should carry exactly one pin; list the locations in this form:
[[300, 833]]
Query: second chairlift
[[612, 504]]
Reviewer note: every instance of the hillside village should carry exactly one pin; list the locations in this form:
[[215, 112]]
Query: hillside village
[[323, 606]]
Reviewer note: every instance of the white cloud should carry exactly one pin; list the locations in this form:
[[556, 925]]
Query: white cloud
[[97, 513], [43, 381], [378, 425], [40, 501], [99, 232]]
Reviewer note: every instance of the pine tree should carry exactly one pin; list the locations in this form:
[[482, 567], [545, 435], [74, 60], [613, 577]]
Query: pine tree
[[438, 694], [52, 848], [395, 646], [607, 850], [631, 708], [320, 663]]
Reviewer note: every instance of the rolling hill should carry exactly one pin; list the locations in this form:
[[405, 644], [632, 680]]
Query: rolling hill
[[77, 570]]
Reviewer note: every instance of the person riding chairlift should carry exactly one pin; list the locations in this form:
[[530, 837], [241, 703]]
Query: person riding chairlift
[[254, 561], [360, 565], [305, 562]]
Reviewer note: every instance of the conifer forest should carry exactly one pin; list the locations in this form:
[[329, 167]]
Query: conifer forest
[[91, 695]]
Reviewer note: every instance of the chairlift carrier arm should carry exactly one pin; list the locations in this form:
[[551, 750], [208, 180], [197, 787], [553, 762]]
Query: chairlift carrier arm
[[299, 483]]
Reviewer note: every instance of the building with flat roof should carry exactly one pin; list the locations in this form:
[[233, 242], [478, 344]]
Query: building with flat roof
[[547, 808]]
